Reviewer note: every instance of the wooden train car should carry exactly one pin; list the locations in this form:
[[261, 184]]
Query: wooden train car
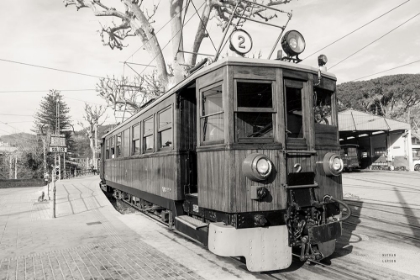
[[236, 158]]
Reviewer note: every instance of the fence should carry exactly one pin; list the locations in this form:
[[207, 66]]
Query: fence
[[78, 173]]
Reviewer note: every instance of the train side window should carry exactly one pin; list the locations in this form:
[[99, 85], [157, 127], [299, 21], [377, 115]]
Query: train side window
[[293, 109], [322, 107], [136, 139], [119, 136], [254, 114], [165, 138], [112, 146], [211, 119], [126, 143], [148, 135], [107, 148]]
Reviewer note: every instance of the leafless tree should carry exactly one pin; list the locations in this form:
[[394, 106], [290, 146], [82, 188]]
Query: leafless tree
[[128, 96], [92, 116], [135, 19]]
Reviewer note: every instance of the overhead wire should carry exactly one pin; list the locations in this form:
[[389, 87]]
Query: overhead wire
[[387, 33], [182, 23], [5, 131], [11, 126], [131, 56], [50, 68], [205, 28], [172, 38], [61, 90], [396, 67], [364, 25], [16, 115]]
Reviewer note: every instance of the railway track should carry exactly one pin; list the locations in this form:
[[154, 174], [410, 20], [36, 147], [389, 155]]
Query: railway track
[[400, 185], [387, 226], [374, 206], [340, 268]]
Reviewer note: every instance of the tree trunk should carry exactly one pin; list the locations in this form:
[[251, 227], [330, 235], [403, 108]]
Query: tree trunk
[[177, 41], [145, 32], [201, 32], [92, 147], [409, 115]]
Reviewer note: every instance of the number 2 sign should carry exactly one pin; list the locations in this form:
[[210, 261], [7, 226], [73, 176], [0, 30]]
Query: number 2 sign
[[240, 41]]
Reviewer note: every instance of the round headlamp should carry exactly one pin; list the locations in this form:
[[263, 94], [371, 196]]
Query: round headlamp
[[257, 167], [333, 164], [293, 43]]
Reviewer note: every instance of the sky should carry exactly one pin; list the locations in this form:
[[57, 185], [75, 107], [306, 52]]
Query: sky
[[46, 33]]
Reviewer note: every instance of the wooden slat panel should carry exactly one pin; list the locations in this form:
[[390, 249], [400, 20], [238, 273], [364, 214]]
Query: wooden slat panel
[[212, 77], [156, 175], [213, 184], [223, 186], [254, 73], [304, 160], [325, 136]]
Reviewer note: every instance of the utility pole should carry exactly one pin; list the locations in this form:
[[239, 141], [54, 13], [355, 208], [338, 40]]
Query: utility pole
[[64, 168], [10, 166], [57, 132], [95, 164], [16, 166]]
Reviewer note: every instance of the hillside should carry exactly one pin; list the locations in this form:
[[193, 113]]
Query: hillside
[[17, 139], [396, 97]]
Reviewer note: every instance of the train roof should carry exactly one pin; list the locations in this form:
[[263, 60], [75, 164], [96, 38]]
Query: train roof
[[222, 63]]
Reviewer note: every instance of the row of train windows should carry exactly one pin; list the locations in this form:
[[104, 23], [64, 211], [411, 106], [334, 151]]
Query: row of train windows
[[142, 137], [253, 118], [254, 111]]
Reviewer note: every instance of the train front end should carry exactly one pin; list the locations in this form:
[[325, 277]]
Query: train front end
[[275, 125]]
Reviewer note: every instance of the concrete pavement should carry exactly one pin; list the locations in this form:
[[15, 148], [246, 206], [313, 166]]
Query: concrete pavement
[[89, 239]]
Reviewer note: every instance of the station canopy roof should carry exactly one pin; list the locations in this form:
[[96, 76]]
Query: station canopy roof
[[351, 121]]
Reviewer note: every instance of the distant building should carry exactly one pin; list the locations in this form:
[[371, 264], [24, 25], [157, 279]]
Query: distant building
[[382, 142]]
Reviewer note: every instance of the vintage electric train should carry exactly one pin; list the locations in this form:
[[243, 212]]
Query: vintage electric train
[[242, 156]]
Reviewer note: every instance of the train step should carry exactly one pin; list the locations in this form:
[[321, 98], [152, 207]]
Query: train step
[[191, 222]]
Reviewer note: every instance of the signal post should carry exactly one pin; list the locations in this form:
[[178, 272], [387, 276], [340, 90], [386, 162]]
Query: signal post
[[57, 146]]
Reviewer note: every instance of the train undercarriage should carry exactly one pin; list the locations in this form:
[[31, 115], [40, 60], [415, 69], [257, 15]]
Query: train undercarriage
[[307, 228]]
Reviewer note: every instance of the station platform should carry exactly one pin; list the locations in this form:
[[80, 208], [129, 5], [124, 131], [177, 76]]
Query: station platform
[[89, 239]]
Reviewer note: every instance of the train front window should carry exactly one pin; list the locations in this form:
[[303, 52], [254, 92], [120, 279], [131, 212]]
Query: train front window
[[293, 107], [254, 95], [212, 126], [322, 107], [254, 111]]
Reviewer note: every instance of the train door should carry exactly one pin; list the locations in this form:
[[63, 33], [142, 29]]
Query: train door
[[299, 149], [188, 140]]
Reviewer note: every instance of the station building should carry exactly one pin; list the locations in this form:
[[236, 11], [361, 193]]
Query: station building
[[382, 143]]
